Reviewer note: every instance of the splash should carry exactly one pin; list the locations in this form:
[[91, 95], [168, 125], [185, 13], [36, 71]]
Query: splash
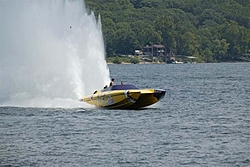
[[52, 53]]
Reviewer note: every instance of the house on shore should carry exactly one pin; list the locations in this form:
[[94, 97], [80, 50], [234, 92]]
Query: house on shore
[[154, 50], [151, 53]]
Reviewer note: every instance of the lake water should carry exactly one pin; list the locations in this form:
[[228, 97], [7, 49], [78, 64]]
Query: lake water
[[204, 120]]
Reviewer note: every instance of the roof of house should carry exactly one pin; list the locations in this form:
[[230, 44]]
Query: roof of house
[[159, 46], [155, 46]]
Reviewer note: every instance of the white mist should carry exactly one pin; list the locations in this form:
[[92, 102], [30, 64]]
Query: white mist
[[52, 53]]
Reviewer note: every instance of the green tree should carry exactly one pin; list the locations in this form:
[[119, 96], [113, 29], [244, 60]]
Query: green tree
[[109, 31], [164, 25], [145, 33], [126, 41], [134, 60], [207, 55], [190, 44], [238, 38], [211, 29], [220, 49]]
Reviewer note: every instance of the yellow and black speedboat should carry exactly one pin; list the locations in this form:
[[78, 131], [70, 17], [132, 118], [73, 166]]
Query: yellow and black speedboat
[[124, 96]]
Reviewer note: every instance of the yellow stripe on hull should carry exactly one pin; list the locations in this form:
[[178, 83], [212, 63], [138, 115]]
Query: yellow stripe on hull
[[113, 99]]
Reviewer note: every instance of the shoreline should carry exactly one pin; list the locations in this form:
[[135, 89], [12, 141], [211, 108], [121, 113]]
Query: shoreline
[[141, 63]]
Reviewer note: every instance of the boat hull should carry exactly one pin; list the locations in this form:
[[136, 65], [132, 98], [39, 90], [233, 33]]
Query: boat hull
[[113, 99], [124, 99]]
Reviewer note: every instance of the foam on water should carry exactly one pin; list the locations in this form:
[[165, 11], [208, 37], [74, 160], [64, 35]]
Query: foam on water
[[52, 53]]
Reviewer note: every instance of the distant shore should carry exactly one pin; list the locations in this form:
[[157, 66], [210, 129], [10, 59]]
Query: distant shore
[[124, 63], [138, 63]]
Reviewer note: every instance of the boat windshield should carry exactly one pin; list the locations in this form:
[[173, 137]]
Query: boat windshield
[[120, 87]]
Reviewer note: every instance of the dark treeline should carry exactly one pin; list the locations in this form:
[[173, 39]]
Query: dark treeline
[[213, 30]]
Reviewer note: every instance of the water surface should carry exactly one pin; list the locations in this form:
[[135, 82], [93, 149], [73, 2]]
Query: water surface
[[204, 120]]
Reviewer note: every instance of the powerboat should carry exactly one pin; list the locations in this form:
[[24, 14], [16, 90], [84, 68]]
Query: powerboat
[[124, 96]]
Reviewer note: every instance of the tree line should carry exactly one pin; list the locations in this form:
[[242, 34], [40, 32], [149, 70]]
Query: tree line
[[212, 30]]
